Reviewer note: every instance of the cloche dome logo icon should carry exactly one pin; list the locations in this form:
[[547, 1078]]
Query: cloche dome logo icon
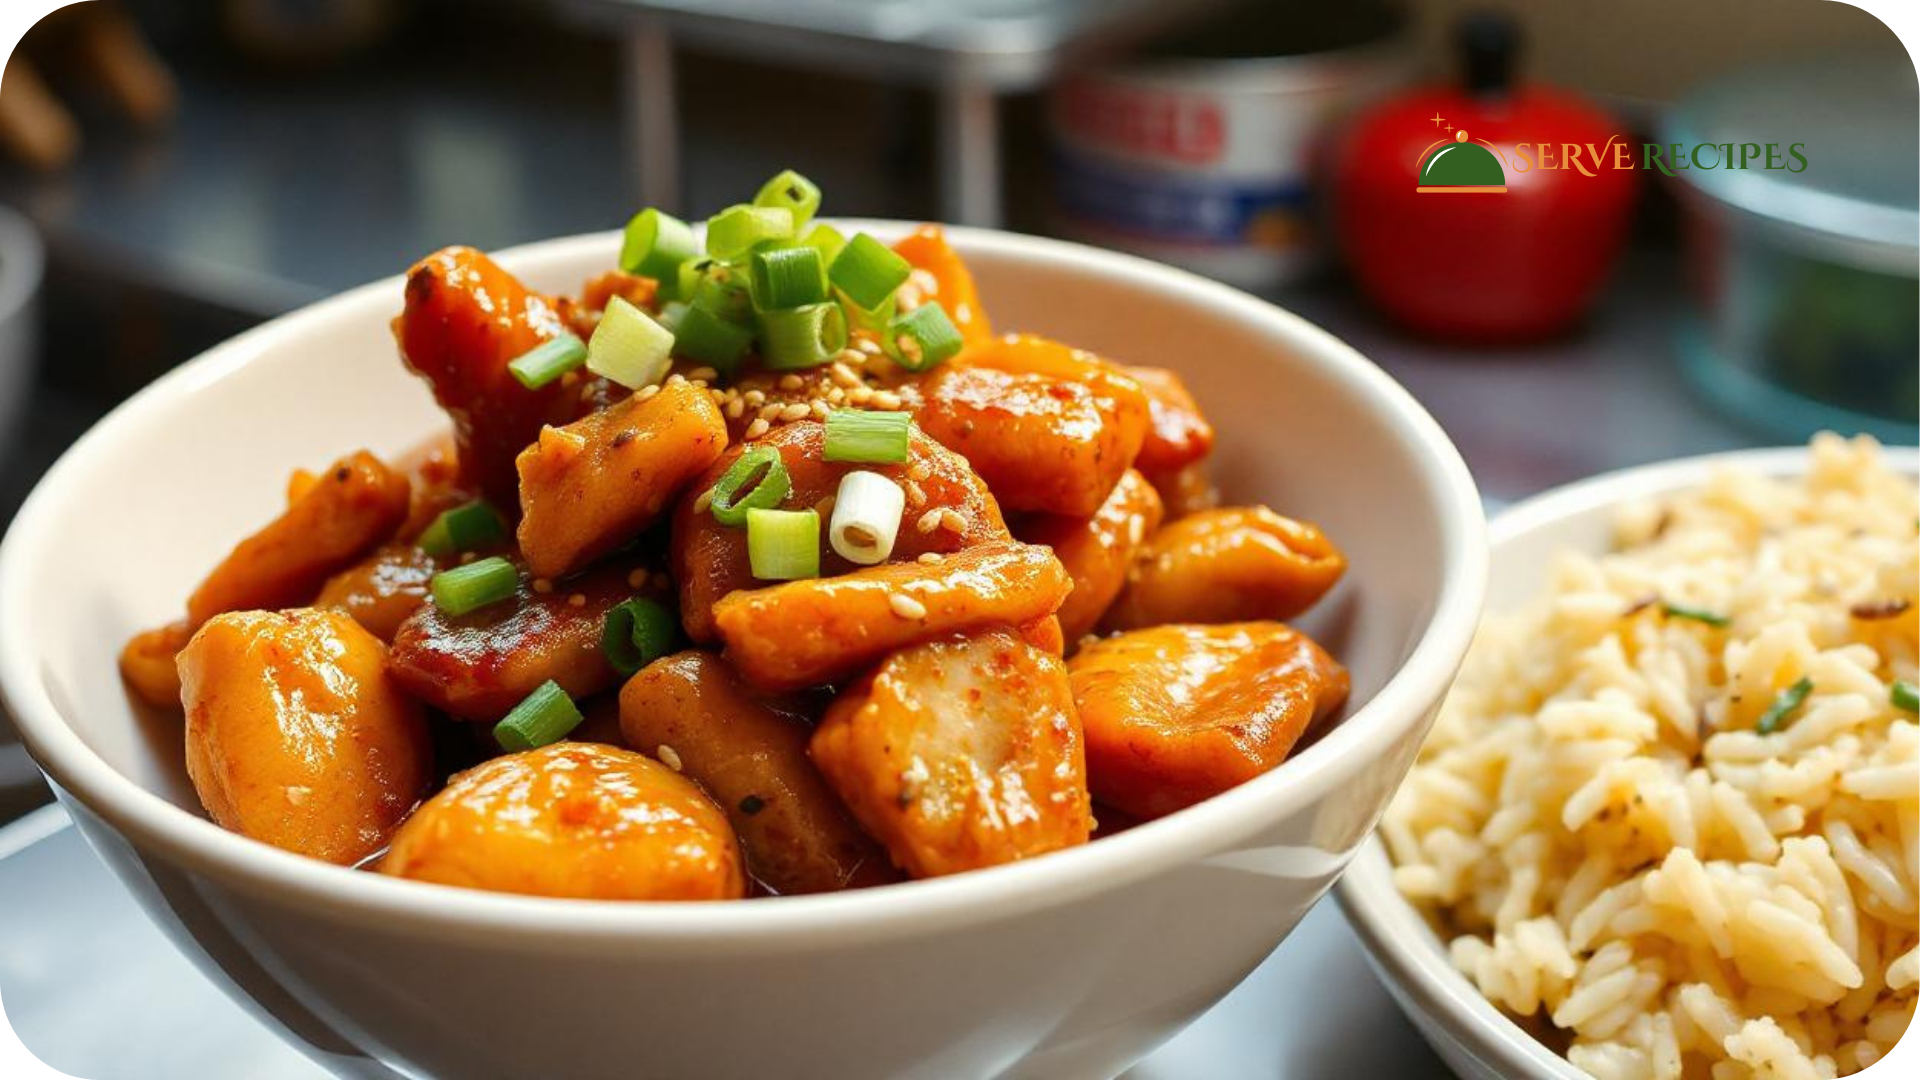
[[1460, 168]]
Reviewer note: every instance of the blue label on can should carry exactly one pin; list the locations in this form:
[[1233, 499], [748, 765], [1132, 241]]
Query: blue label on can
[[1179, 207]]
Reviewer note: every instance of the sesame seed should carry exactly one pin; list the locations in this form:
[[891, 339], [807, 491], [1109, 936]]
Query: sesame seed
[[819, 409], [754, 398], [886, 399], [542, 586], [923, 279], [770, 411], [861, 395], [906, 606], [756, 429], [718, 395], [569, 378], [796, 411], [735, 408], [703, 374], [929, 521], [1136, 531], [676, 379], [586, 392], [908, 297], [917, 470], [931, 558], [868, 346], [669, 757], [914, 494], [702, 501], [952, 520], [843, 374], [824, 507], [791, 382], [647, 391], [836, 395], [577, 600], [637, 579]]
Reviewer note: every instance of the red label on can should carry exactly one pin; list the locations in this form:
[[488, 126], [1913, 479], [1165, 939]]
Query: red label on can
[[1182, 128]]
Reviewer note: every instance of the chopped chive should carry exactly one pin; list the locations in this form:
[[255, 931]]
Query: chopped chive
[[736, 230], [548, 361], [1677, 611], [655, 244], [710, 339], [799, 195], [629, 347], [825, 239], [1790, 698], [868, 271], [873, 437], [474, 586], [859, 318], [670, 315], [1905, 695], [788, 277], [637, 632], [783, 545], [545, 716], [723, 291], [763, 467], [923, 337], [802, 337], [467, 527]]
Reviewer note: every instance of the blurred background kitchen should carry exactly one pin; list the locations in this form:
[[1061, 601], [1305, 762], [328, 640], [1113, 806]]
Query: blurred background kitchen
[[171, 174]]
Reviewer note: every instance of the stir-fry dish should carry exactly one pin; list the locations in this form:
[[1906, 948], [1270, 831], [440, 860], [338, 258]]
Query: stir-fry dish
[[763, 566]]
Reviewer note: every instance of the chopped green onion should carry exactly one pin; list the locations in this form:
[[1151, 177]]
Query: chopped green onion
[[875, 437], [770, 484], [710, 339], [474, 586], [545, 716], [859, 318], [548, 361], [866, 517], [1783, 706], [868, 271], [788, 277], [783, 545], [802, 337], [655, 245], [671, 313], [923, 337], [637, 633], [1677, 611], [825, 239], [723, 291], [1905, 695], [736, 230], [799, 195], [688, 277], [629, 347], [467, 527]]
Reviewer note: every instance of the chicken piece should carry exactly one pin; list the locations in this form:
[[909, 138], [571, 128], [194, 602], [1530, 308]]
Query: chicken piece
[[480, 665], [926, 249], [1184, 491], [960, 753], [147, 665], [1049, 428], [591, 486], [1098, 550], [572, 819], [465, 320], [1227, 565], [750, 753], [817, 631], [383, 590], [603, 287], [352, 509], [1178, 714], [1178, 435], [710, 559], [1046, 635], [433, 468], [295, 735]]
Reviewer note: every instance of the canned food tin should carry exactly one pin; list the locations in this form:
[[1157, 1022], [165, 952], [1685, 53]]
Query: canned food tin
[[1200, 156]]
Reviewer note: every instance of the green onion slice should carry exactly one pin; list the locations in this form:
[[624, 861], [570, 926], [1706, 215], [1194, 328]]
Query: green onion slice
[[923, 337], [873, 437], [762, 474], [723, 291], [788, 277], [637, 632], [671, 313], [655, 244], [710, 339], [797, 194], [867, 509], [545, 716], [1776, 715], [474, 586], [1904, 695], [868, 271], [783, 545], [548, 361], [1677, 611], [736, 230], [825, 239], [467, 527], [802, 337], [629, 347]]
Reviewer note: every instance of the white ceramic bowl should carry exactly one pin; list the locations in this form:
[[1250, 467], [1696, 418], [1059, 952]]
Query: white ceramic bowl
[[1071, 965], [1475, 1038]]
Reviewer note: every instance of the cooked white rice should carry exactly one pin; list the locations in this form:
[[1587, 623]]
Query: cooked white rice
[[1620, 859]]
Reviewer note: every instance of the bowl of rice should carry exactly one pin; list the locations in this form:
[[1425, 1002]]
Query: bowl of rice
[[1666, 823]]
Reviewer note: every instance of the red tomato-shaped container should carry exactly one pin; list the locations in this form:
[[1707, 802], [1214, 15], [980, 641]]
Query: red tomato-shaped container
[[1467, 261]]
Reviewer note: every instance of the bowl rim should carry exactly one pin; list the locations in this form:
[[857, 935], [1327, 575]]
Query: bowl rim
[[195, 842], [1401, 946]]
